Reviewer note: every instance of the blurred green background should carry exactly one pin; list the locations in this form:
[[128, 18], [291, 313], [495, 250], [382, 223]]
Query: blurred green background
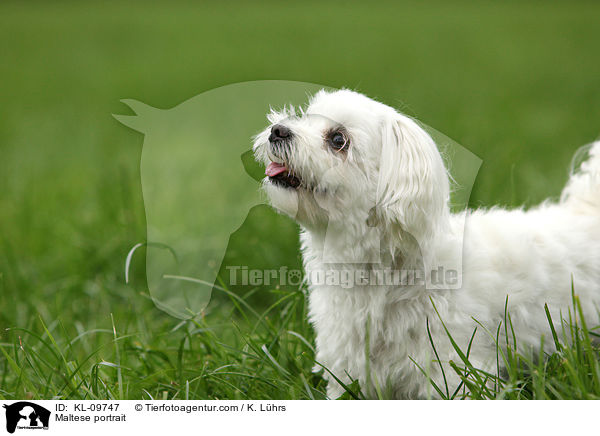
[[517, 83]]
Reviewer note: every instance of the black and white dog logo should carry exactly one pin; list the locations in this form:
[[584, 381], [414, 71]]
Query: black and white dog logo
[[26, 415]]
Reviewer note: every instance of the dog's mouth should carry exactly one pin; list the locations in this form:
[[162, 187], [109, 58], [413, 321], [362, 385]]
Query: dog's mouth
[[279, 174]]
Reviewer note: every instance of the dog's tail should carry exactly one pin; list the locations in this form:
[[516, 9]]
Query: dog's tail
[[583, 189]]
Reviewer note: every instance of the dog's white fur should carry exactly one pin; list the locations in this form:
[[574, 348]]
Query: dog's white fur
[[392, 179]]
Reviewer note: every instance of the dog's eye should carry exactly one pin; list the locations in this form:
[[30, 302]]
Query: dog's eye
[[338, 141]]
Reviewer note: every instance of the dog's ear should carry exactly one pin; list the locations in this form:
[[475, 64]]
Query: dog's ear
[[413, 186]]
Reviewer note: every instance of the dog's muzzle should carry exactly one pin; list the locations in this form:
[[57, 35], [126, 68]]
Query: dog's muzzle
[[278, 171]]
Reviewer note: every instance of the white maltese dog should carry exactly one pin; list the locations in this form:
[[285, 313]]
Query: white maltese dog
[[370, 190]]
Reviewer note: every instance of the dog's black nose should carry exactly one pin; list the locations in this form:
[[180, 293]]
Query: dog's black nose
[[279, 131]]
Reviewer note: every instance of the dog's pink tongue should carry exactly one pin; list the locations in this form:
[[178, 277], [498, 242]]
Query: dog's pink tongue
[[275, 168]]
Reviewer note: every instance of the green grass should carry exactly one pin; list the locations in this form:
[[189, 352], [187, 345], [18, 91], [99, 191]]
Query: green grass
[[231, 353], [571, 372], [516, 83]]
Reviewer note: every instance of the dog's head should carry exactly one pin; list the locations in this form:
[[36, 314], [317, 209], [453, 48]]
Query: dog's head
[[351, 160]]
